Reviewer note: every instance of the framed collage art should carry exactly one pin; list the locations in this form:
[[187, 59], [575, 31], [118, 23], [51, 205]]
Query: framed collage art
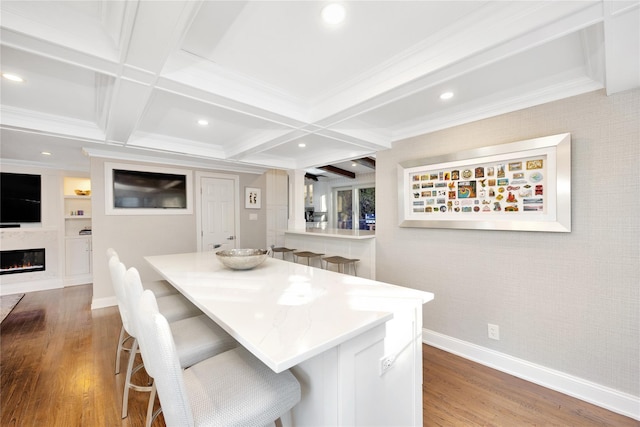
[[524, 185]]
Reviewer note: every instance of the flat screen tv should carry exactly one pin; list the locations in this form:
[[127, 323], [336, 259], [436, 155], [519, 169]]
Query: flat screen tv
[[20, 198], [148, 190]]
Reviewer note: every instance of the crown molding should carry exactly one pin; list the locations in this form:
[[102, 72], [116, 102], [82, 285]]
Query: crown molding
[[174, 145], [500, 104], [37, 122], [158, 157]]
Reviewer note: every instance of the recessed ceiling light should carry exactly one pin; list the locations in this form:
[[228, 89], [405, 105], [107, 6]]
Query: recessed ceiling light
[[13, 77], [45, 153], [446, 95], [333, 13], [302, 145], [354, 164], [203, 122]]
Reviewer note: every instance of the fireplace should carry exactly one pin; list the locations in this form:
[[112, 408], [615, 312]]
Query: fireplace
[[22, 261]]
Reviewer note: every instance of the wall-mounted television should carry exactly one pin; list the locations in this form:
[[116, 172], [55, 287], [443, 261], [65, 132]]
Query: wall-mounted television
[[20, 198], [147, 190]]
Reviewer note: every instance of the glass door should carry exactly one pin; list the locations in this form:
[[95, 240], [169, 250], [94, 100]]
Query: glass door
[[367, 208], [355, 208], [344, 208]]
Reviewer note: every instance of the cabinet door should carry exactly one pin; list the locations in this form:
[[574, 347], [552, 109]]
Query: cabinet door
[[78, 256]]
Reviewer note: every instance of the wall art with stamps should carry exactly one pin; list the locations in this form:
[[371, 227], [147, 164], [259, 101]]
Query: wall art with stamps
[[524, 185]]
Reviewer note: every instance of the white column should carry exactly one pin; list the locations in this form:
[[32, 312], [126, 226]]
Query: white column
[[296, 200]]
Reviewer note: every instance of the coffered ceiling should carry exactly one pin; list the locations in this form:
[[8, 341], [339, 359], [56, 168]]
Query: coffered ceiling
[[132, 78]]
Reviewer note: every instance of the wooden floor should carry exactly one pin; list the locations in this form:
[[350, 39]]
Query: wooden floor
[[57, 362]]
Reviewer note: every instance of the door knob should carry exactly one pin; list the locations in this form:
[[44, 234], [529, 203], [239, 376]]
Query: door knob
[[231, 237]]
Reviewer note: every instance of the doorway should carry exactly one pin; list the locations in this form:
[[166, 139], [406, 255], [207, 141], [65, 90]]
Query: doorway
[[217, 211]]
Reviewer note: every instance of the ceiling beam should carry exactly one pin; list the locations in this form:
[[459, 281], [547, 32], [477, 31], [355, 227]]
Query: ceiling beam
[[338, 171], [369, 162]]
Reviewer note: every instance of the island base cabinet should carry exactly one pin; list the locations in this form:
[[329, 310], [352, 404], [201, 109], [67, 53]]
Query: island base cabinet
[[344, 386]]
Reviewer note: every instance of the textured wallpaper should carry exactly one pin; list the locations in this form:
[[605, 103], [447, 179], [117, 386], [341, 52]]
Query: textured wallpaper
[[567, 301]]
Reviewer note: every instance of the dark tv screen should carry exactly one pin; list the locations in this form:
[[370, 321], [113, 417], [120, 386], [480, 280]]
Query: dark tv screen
[[20, 198], [148, 190]]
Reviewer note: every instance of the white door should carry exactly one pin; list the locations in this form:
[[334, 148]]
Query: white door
[[218, 206]]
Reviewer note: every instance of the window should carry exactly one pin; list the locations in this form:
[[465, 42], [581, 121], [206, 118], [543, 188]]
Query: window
[[355, 202]]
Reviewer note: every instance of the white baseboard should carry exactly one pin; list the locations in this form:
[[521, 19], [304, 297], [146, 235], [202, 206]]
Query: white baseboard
[[78, 280], [34, 286], [605, 397], [97, 303]]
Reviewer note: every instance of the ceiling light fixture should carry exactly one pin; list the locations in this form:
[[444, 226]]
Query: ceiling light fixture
[[333, 13], [354, 164], [203, 122], [446, 95], [13, 77], [45, 153], [302, 145]]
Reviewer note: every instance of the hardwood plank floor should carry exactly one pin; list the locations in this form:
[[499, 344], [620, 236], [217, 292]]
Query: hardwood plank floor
[[57, 363]]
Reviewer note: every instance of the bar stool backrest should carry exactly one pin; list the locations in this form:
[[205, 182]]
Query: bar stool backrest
[[118, 270], [161, 359]]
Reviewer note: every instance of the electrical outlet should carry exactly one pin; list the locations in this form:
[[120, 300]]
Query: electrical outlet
[[386, 363], [494, 331]]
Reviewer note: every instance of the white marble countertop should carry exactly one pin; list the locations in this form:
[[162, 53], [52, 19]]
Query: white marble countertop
[[284, 313], [334, 232]]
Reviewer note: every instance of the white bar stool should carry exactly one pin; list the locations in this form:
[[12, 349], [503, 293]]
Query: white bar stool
[[232, 388]]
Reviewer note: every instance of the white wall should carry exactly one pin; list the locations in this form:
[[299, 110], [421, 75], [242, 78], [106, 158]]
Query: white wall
[[566, 301], [136, 236]]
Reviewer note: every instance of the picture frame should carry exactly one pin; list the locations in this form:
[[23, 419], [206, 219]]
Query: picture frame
[[252, 198], [524, 185]]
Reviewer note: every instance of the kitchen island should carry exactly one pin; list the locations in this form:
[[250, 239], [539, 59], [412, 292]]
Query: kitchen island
[[354, 344], [359, 244]]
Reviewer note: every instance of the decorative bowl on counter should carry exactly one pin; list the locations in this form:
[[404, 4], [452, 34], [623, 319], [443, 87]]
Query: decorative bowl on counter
[[83, 192], [242, 259]]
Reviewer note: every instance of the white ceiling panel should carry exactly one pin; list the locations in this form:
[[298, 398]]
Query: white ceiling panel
[[49, 86], [177, 116], [75, 24], [290, 48], [27, 148], [130, 77], [533, 70]]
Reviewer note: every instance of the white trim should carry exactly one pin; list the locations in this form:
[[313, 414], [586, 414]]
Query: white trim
[[84, 279], [605, 397], [147, 155], [34, 286], [105, 302]]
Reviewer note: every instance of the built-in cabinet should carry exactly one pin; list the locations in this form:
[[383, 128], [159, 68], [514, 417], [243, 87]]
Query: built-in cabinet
[[77, 231], [277, 206], [77, 257]]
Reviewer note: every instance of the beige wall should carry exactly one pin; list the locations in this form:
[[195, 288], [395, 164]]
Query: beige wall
[[566, 301], [136, 236]]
